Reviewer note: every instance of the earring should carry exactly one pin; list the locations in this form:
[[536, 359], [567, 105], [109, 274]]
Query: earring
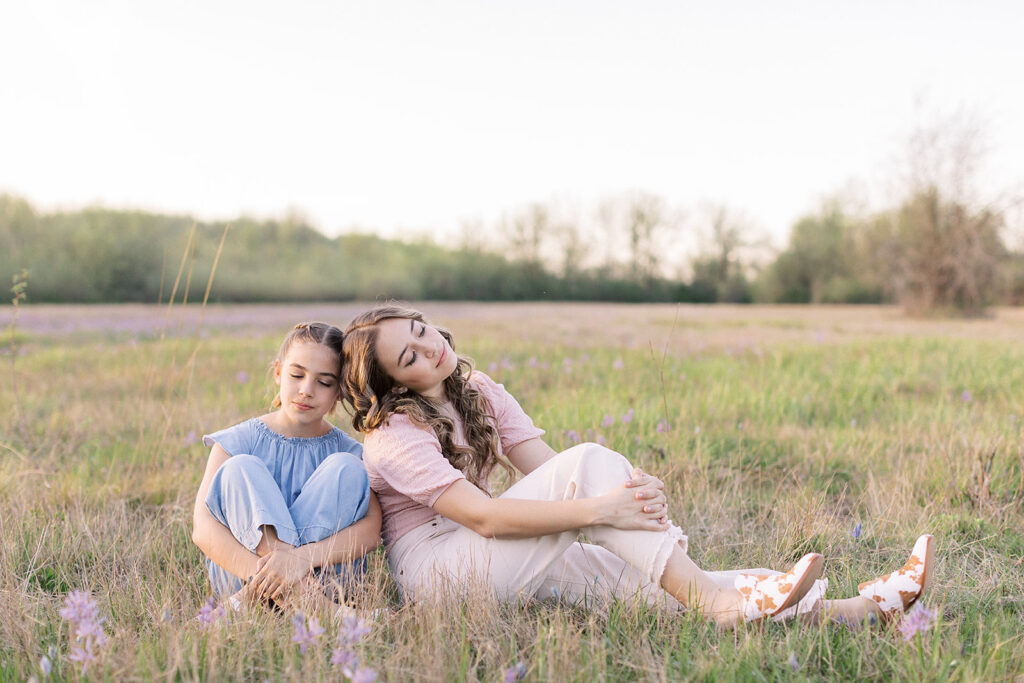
[[399, 389]]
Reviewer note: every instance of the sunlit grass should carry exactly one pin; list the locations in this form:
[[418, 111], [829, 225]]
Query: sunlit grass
[[768, 450]]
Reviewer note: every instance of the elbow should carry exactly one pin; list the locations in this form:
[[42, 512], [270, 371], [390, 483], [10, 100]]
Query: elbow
[[198, 537], [484, 527]]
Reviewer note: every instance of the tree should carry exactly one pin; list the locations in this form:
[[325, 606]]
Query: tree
[[947, 239]]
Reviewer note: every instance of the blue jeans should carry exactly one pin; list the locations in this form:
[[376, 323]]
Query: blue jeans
[[244, 497]]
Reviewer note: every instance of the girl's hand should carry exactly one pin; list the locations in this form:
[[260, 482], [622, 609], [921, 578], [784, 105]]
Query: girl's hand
[[276, 572], [635, 506]]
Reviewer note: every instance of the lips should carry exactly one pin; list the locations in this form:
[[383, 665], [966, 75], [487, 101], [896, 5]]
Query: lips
[[302, 406], [444, 352]]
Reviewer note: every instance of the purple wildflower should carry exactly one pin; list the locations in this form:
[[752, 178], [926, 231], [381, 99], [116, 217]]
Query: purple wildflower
[[306, 633], [45, 666], [80, 610], [514, 673], [917, 620], [607, 420], [242, 377], [78, 606], [507, 364], [857, 531], [533, 362], [492, 368], [662, 426], [83, 655], [965, 396], [572, 436], [209, 612], [792, 661], [363, 675], [585, 357], [618, 364], [352, 630], [191, 439], [628, 417], [601, 441], [344, 658]]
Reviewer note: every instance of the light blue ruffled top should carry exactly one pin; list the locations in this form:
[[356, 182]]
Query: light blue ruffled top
[[291, 460]]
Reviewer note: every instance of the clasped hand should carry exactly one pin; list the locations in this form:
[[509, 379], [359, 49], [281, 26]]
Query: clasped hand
[[277, 571], [639, 504]]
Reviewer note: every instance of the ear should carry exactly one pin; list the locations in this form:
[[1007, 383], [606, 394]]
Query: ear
[[277, 372]]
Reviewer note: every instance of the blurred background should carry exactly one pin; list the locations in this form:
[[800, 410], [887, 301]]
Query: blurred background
[[657, 151]]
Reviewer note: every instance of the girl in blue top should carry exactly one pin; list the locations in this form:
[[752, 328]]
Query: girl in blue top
[[284, 500]]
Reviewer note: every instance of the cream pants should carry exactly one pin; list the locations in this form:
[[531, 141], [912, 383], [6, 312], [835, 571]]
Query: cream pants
[[442, 558]]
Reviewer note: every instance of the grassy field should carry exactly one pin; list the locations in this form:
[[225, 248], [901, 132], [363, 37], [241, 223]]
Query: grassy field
[[777, 430]]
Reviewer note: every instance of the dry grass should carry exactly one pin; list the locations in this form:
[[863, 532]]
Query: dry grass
[[786, 426]]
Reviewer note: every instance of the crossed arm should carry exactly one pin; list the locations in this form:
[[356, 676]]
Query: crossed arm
[[639, 504], [287, 563]]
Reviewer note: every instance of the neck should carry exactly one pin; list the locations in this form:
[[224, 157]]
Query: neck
[[277, 422]]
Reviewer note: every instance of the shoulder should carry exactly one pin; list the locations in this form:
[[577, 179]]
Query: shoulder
[[483, 383], [398, 429], [235, 439]]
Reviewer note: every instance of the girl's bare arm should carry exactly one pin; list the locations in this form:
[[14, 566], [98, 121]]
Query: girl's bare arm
[[212, 537]]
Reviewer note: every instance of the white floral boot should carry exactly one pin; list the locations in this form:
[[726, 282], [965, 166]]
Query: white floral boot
[[895, 593], [767, 595]]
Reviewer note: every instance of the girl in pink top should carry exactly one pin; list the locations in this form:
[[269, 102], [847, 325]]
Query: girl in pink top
[[435, 430]]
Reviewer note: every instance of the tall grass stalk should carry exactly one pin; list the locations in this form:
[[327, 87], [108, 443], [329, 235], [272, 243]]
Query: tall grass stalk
[[771, 454]]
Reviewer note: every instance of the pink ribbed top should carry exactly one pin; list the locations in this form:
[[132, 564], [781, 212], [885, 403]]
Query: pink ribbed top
[[408, 471]]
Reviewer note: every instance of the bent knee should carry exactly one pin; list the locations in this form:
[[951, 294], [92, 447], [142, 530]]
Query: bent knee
[[238, 464], [592, 455], [347, 468]]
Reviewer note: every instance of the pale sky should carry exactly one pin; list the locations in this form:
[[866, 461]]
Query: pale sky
[[409, 118]]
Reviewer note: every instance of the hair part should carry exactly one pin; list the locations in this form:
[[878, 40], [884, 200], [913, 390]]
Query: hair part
[[311, 333], [371, 396]]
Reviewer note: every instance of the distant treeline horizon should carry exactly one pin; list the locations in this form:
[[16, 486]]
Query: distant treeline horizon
[[930, 253]]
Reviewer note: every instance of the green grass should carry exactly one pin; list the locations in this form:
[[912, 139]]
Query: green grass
[[767, 453]]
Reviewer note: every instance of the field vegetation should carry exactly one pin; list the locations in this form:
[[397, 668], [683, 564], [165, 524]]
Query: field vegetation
[[777, 430]]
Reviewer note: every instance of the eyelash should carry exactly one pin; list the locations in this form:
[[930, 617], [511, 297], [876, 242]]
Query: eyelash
[[322, 383], [423, 331]]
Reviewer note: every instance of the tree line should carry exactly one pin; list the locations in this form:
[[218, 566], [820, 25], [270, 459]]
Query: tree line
[[929, 253], [938, 247]]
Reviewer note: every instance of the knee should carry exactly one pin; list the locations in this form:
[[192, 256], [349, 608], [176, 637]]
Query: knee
[[592, 456], [238, 467], [347, 469]]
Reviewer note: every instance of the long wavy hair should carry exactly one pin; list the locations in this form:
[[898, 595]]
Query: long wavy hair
[[372, 396]]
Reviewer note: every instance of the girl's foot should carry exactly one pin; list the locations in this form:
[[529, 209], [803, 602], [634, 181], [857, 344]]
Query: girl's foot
[[765, 596], [895, 593]]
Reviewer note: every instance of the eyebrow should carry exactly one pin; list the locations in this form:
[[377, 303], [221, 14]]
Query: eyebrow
[[303, 368], [412, 323]]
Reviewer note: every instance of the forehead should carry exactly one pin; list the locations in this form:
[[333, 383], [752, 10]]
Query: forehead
[[314, 357], [392, 336]]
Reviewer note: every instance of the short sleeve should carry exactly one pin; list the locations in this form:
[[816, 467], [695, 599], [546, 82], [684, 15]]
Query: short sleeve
[[346, 444], [514, 425], [408, 457], [236, 440]]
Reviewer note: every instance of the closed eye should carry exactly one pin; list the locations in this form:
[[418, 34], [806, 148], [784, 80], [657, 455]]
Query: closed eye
[[412, 359], [423, 331]]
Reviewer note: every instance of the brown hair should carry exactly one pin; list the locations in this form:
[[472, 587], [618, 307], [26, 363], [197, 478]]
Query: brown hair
[[371, 396], [311, 333]]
